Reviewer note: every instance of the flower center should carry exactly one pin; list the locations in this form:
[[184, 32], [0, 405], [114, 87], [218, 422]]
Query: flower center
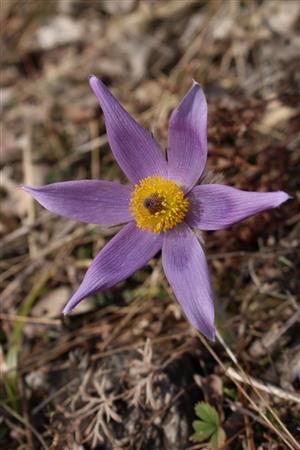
[[158, 204]]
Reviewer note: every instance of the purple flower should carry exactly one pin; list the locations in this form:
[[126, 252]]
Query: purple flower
[[160, 207]]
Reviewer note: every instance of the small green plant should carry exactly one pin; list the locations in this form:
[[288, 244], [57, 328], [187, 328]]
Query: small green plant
[[208, 427]]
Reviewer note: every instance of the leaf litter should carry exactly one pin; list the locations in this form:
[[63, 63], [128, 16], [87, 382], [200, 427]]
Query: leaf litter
[[127, 371]]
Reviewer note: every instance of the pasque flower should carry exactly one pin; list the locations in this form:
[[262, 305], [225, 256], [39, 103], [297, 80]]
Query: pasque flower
[[159, 208]]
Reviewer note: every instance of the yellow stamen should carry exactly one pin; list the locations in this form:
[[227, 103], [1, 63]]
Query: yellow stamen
[[158, 204]]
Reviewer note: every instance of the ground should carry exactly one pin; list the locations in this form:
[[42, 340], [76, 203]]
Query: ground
[[125, 370]]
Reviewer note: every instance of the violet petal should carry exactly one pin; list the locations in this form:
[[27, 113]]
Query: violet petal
[[187, 141], [91, 201], [215, 206], [134, 149], [186, 269], [125, 253]]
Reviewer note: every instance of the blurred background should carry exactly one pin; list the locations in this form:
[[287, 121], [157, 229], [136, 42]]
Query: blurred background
[[125, 370]]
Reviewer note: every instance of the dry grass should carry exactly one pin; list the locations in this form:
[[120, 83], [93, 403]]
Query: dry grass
[[125, 371]]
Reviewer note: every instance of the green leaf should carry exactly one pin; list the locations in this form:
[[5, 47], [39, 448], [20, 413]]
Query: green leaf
[[208, 427], [207, 413], [204, 428], [196, 438], [218, 439]]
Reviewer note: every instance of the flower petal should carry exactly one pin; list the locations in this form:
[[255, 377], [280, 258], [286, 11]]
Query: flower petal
[[187, 142], [186, 269], [214, 206], [91, 201], [134, 149], [125, 253]]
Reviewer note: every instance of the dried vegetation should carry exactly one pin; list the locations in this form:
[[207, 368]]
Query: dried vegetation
[[125, 370]]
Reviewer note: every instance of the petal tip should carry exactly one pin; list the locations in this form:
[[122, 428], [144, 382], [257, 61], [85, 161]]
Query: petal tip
[[209, 333], [66, 310], [27, 188], [93, 82], [212, 336], [283, 197], [32, 190], [75, 300]]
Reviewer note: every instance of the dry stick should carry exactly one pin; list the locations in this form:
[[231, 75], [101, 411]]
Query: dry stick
[[25, 413], [77, 152], [222, 365], [242, 390], [123, 322], [195, 45], [236, 407], [257, 392], [93, 144], [249, 433], [29, 179], [277, 335], [53, 395], [44, 217], [266, 387], [8, 291], [65, 346], [32, 320], [25, 423], [124, 369]]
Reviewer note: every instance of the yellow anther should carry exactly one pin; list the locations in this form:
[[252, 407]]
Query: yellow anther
[[158, 204]]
